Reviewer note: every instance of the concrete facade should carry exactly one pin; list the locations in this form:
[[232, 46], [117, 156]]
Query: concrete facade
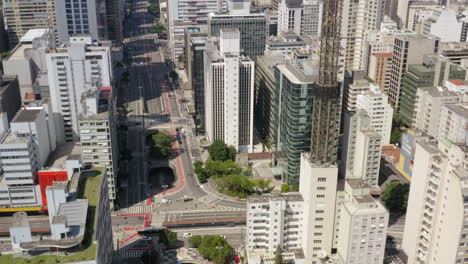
[[27, 61], [21, 15], [376, 105], [435, 227], [72, 70], [229, 93], [408, 49], [301, 17]]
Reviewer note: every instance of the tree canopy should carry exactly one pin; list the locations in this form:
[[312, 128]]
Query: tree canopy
[[395, 197], [278, 256], [162, 145], [220, 151], [215, 248]]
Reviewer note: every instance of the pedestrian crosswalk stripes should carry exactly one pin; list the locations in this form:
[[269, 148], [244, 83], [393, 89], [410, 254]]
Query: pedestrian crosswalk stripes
[[130, 254], [136, 209]]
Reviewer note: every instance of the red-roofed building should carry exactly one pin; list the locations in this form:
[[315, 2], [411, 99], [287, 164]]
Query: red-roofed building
[[47, 178]]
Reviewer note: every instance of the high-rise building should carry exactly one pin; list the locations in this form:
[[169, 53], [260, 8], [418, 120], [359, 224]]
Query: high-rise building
[[252, 27], [453, 123], [429, 102], [318, 185], [295, 86], [27, 61], [73, 69], [358, 17], [195, 46], [229, 92], [444, 24], [3, 34], [361, 148], [355, 84], [98, 133], [435, 227], [433, 72], [378, 69], [115, 12], [362, 226], [408, 49], [100, 19], [265, 85], [376, 105], [23, 15], [272, 222], [79, 17], [24, 149], [184, 14], [302, 17], [454, 51]]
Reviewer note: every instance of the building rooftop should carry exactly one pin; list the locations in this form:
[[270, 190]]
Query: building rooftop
[[26, 115], [291, 197], [18, 52], [20, 219], [10, 138], [300, 71], [460, 108], [33, 34], [64, 152]]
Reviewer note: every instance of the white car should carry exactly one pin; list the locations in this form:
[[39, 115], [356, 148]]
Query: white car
[[187, 235]]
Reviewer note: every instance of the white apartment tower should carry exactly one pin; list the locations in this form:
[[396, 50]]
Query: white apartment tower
[[98, 133], [72, 69], [358, 18], [24, 148], [184, 14], [376, 105], [436, 226], [274, 221], [302, 17], [229, 91], [428, 106], [362, 226], [453, 124], [362, 147], [318, 185]]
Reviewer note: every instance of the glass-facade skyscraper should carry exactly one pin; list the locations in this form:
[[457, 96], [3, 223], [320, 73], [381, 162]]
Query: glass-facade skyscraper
[[252, 27], [292, 119]]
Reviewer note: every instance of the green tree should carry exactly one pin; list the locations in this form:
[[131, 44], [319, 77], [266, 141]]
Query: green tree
[[278, 256], [284, 188], [215, 248], [180, 58], [218, 151], [232, 152], [158, 28], [262, 186], [395, 137], [195, 241], [395, 197], [198, 164], [162, 145]]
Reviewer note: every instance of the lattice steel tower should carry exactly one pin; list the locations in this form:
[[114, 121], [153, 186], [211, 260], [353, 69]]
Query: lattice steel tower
[[326, 107]]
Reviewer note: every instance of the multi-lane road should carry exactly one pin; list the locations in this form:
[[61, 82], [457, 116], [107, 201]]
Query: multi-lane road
[[152, 101]]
